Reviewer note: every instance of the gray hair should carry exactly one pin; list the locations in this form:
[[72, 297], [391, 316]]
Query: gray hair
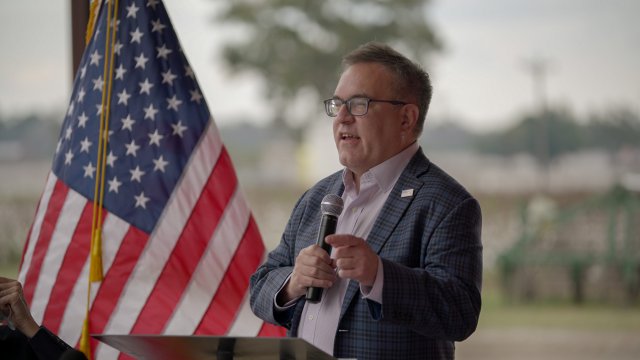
[[412, 82]]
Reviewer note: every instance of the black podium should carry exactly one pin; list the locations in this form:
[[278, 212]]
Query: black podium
[[165, 347]]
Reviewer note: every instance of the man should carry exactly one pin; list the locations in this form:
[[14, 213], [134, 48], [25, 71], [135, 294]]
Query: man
[[20, 335], [404, 276]]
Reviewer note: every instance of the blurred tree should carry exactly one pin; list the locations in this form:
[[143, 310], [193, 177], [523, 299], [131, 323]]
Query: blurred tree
[[559, 129], [614, 129], [296, 45]]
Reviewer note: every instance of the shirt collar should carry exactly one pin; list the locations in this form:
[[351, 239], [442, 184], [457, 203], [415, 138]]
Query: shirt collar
[[386, 173]]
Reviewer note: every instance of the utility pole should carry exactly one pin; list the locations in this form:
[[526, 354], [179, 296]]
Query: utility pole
[[538, 68]]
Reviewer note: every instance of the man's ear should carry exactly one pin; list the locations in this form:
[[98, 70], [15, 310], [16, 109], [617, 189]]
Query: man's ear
[[409, 115]]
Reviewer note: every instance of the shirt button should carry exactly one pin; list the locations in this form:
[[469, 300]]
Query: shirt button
[[310, 317]]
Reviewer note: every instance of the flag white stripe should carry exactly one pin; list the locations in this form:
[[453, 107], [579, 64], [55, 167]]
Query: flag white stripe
[[71, 324], [211, 269], [60, 239], [162, 241], [245, 323], [105, 352], [37, 224], [114, 231]]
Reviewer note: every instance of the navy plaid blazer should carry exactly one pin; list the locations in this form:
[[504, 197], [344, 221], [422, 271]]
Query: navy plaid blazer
[[431, 252]]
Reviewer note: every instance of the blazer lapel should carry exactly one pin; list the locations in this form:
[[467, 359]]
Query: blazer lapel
[[403, 193]]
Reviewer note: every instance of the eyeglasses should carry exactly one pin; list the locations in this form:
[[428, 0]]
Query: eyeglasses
[[356, 106]]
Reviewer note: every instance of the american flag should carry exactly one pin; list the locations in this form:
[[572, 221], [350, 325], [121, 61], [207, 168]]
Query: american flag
[[179, 242]]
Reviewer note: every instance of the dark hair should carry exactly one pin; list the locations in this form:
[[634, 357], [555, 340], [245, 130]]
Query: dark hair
[[412, 81]]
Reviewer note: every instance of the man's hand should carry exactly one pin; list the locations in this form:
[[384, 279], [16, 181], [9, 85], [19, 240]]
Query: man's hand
[[313, 267], [13, 305], [354, 258]]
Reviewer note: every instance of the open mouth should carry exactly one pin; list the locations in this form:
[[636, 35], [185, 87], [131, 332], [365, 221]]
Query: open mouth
[[348, 137]]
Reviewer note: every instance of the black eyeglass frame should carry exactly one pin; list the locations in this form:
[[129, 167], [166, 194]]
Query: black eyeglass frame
[[328, 104]]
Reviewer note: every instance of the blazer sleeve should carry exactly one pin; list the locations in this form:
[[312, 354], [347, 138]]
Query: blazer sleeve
[[270, 276], [441, 298], [46, 345]]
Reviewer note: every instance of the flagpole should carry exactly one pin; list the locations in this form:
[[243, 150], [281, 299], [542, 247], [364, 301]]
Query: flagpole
[[95, 258]]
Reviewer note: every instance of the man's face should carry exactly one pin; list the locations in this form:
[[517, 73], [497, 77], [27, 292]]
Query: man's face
[[368, 140]]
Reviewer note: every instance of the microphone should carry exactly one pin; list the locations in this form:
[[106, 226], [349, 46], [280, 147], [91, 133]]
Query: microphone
[[331, 207]]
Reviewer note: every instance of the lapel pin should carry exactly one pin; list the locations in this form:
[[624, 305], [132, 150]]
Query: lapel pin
[[406, 193]]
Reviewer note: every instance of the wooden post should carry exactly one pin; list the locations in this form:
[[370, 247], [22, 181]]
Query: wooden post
[[79, 18]]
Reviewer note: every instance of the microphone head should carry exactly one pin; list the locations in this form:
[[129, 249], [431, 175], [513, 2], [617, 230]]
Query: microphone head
[[331, 205]]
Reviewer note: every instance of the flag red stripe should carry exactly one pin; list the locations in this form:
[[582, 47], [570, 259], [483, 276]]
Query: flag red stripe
[[225, 304], [26, 243], [44, 239], [116, 278], [70, 269], [270, 330], [188, 250]]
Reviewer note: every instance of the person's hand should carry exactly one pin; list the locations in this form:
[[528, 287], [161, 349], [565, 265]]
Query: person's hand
[[354, 258], [14, 307], [313, 267]]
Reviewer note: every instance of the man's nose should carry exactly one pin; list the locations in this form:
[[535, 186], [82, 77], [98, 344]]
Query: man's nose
[[344, 115]]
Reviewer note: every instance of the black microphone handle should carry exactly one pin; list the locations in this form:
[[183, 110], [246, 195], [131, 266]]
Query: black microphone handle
[[327, 227]]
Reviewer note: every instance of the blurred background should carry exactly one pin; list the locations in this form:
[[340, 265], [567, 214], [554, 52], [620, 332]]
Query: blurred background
[[536, 110]]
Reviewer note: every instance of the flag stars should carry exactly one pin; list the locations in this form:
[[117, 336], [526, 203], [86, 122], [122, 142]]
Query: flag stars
[[163, 52], [196, 95], [115, 24], [83, 71], [132, 11], [141, 61], [159, 164], [95, 58], [178, 128], [188, 71], [136, 174], [127, 123], [168, 77], [70, 109], [120, 71], [85, 144], [98, 109], [132, 148], [157, 26], [111, 159], [82, 120], [81, 94], [123, 97], [89, 169], [136, 36], [141, 200], [68, 157], [98, 83], [150, 112], [173, 103], [152, 4], [114, 185], [117, 47], [68, 133], [154, 138], [145, 87]]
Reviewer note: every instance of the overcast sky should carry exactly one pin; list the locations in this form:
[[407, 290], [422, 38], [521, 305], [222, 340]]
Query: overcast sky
[[591, 49]]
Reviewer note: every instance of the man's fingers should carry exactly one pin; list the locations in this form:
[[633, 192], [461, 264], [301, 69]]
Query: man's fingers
[[313, 267], [338, 240]]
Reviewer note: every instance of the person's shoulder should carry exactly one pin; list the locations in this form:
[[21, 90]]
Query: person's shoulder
[[438, 180]]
